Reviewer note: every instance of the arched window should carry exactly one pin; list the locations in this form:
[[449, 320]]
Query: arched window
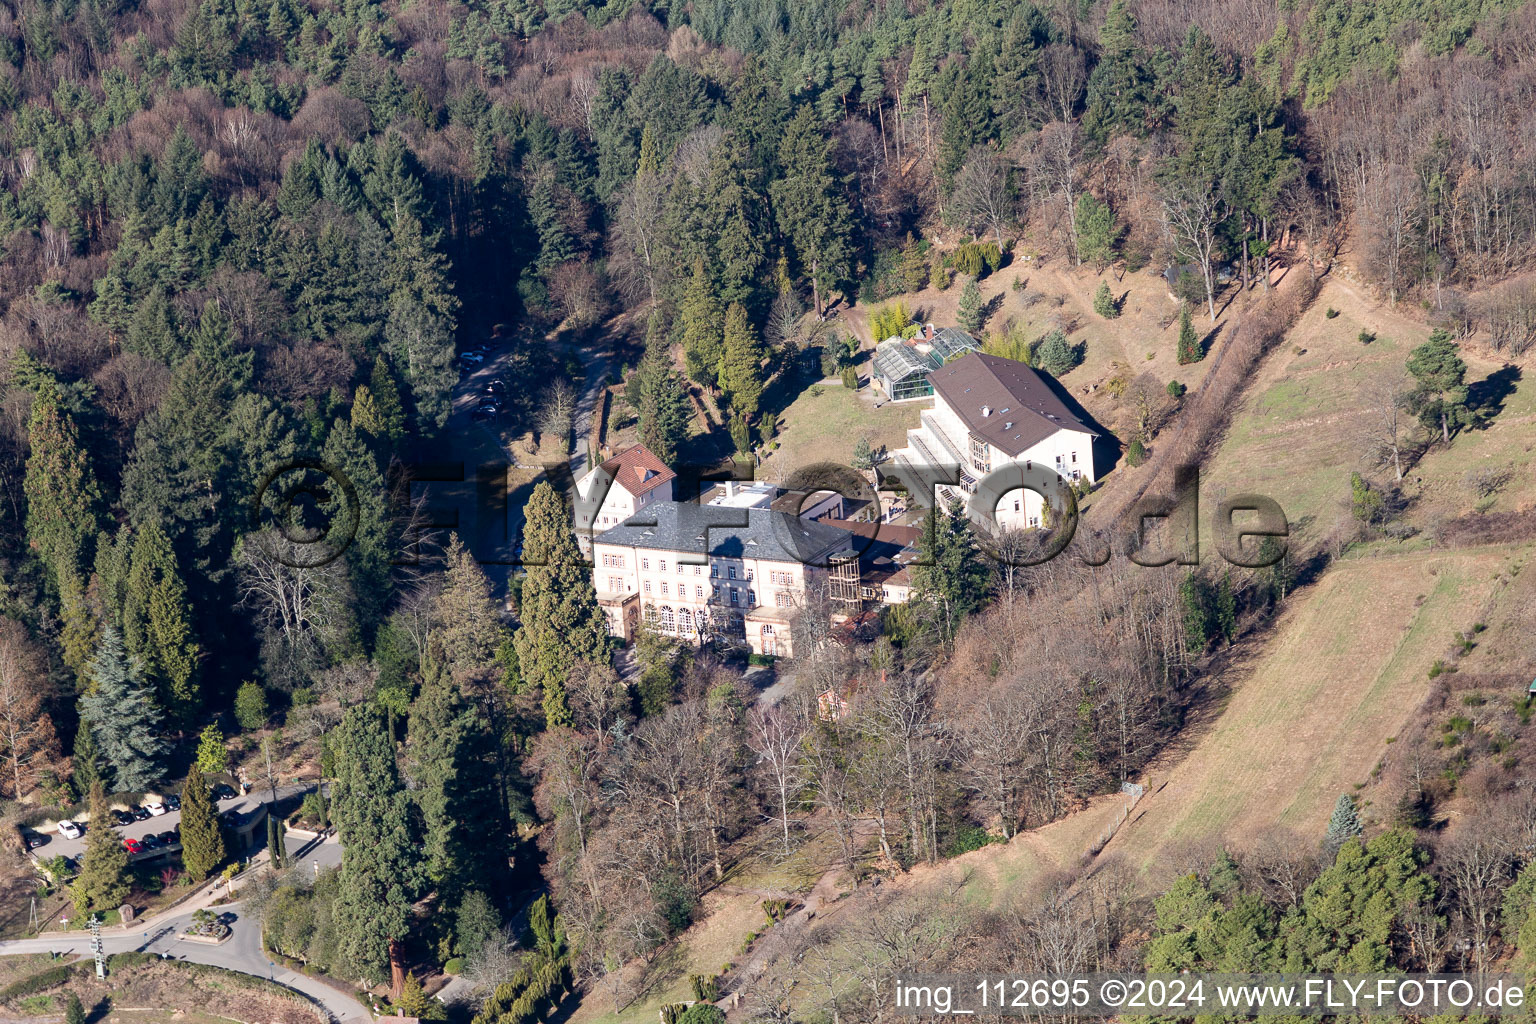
[[667, 622]]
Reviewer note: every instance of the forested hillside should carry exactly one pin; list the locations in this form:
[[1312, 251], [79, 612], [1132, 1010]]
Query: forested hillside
[[238, 234]]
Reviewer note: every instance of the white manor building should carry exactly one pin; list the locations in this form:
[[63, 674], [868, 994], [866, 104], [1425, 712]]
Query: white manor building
[[989, 412]]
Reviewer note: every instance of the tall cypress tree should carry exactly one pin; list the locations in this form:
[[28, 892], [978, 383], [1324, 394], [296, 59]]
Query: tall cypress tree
[[700, 315], [1189, 343], [103, 879], [61, 489], [381, 874], [741, 365], [123, 715], [157, 624], [451, 752], [202, 843], [562, 623]]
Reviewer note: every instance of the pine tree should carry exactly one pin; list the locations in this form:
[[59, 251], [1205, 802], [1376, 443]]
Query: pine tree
[[418, 332], [1189, 344], [386, 398], [1055, 355], [863, 456], [414, 1002], [103, 880], [561, 620], [87, 759], [251, 706], [365, 414], [741, 365], [969, 314], [157, 624], [381, 874], [123, 715], [1343, 825], [1440, 398], [202, 842], [1104, 302], [1095, 223], [74, 1013], [703, 342]]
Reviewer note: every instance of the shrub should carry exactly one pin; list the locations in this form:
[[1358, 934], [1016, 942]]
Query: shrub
[[1366, 337], [1331, 313], [43, 980], [1136, 454], [1176, 390], [971, 837], [251, 706], [702, 1013], [453, 966]]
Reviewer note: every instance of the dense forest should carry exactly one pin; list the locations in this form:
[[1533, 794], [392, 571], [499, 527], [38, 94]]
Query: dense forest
[[241, 235]]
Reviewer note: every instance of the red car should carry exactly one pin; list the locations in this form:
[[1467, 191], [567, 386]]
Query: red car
[[132, 845]]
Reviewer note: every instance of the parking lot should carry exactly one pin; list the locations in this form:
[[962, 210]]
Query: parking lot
[[244, 806]]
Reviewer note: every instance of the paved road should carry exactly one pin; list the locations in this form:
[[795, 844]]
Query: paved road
[[242, 953]]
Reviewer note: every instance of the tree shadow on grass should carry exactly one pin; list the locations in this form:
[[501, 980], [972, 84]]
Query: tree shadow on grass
[[1486, 397]]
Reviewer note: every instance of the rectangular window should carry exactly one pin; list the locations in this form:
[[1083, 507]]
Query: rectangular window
[[662, 565], [663, 589], [733, 596], [647, 586], [696, 569], [781, 600], [1074, 456], [698, 592], [714, 571], [645, 563], [751, 597], [732, 571]]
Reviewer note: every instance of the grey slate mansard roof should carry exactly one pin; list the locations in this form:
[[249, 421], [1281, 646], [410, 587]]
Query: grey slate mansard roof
[[1022, 410], [721, 532]]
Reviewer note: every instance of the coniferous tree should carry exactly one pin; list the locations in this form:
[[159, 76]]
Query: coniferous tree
[[703, 340], [1104, 302], [949, 574], [87, 759], [202, 841], [1440, 398], [61, 489], [466, 630], [1197, 616], [381, 874], [157, 624], [562, 623], [212, 754], [123, 716], [811, 210], [1122, 86], [1095, 223], [1226, 608], [453, 761], [386, 398], [74, 1012], [419, 330], [1189, 350], [969, 312], [103, 880], [1343, 825], [659, 397], [741, 365]]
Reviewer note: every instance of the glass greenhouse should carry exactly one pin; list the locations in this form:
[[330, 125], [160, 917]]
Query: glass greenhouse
[[902, 367]]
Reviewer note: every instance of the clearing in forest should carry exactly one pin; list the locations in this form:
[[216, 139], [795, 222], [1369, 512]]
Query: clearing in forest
[[1342, 673]]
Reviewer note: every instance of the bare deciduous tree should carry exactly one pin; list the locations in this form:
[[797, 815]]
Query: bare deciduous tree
[[27, 739], [982, 198], [777, 736]]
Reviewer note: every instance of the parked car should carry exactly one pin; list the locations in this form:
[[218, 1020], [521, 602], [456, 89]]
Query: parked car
[[471, 358], [150, 842], [173, 802], [121, 818], [169, 838], [36, 839], [483, 415], [155, 808], [132, 845], [69, 830], [224, 791], [140, 814]]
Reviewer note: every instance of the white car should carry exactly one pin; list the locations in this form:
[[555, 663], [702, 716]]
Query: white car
[[472, 358], [154, 807], [69, 830]]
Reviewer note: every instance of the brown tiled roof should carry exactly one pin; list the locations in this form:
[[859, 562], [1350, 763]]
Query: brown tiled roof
[[1022, 410], [637, 470]]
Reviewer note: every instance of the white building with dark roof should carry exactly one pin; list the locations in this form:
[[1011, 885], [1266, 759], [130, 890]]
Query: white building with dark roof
[[614, 490], [699, 571], [989, 412]]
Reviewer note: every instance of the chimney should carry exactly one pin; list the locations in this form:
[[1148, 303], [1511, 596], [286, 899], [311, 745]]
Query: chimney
[[986, 411], [730, 488]]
